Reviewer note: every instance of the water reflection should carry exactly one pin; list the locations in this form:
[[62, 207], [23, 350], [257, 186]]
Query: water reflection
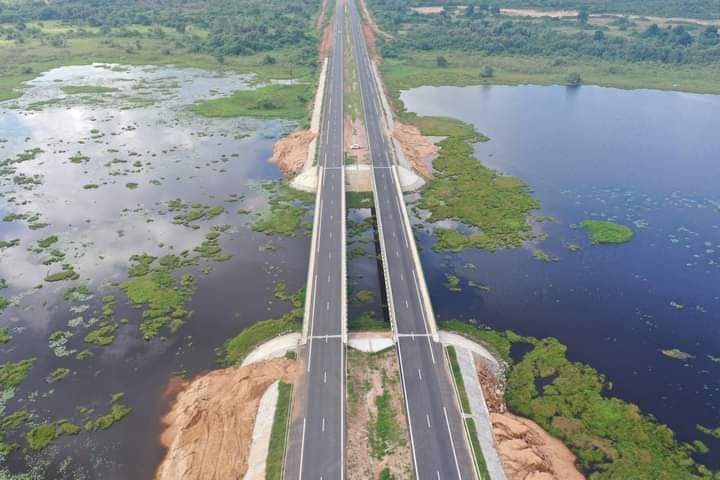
[[109, 165], [644, 158]]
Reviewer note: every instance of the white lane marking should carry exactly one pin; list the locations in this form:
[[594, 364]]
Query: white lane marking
[[325, 376], [452, 443], [407, 304], [419, 374], [323, 424], [432, 355], [438, 475], [324, 337], [302, 448], [331, 235], [427, 418], [402, 277], [329, 254], [327, 306], [312, 316], [397, 253], [328, 278]]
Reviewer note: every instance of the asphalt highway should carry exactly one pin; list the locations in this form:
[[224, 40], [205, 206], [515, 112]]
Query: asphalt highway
[[435, 424], [320, 433]]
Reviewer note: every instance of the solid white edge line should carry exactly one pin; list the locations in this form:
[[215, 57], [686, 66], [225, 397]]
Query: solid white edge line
[[302, 449], [452, 443]]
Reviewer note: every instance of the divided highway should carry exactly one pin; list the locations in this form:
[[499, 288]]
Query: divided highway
[[436, 428], [317, 442]]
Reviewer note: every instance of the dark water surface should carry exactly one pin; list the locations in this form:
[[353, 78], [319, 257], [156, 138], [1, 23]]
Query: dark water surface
[[648, 159], [181, 156]]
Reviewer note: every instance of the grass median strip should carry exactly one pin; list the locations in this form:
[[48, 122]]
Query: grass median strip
[[477, 451], [459, 383], [278, 436]]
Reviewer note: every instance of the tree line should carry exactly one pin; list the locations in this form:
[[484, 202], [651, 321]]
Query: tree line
[[481, 29]]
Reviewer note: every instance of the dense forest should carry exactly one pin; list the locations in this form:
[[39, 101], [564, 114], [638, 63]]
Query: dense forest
[[669, 8], [233, 27], [479, 28]]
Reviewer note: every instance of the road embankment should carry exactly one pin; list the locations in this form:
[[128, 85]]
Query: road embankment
[[208, 430]]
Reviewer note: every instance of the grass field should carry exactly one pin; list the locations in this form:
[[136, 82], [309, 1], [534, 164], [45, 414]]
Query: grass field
[[271, 101], [414, 68]]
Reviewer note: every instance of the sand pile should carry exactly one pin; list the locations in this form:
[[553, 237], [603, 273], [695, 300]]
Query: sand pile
[[529, 453], [209, 427], [290, 153], [418, 149]]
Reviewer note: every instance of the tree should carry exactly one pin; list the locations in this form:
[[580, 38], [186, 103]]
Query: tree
[[583, 16], [573, 79], [269, 60], [441, 61], [599, 35], [487, 72]]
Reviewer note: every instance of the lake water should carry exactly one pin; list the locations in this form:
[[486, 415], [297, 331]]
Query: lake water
[[143, 133], [648, 159]]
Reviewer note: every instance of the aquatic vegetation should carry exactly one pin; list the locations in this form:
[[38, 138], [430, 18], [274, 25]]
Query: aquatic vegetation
[[103, 336], [67, 273], [8, 424], [91, 186], [192, 213], [463, 189], [84, 355], [544, 256], [118, 411], [601, 231], [108, 306], [57, 343], [163, 297], [41, 436], [79, 158], [572, 247], [368, 321], [58, 374], [9, 243], [237, 348], [5, 335], [677, 354], [79, 293], [4, 303], [46, 242], [612, 438], [365, 296], [288, 207], [87, 89], [13, 374], [676, 305], [271, 101], [210, 247], [131, 185], [713, 432], [452, 283]]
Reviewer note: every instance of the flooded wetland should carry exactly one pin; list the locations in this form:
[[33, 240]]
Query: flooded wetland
[[642, 308], [137, 237]]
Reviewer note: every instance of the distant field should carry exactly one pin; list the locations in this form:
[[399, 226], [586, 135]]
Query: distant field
[[416, 68], [143, 45]]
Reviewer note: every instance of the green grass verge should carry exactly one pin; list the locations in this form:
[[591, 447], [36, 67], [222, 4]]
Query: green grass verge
[[278, 437], [271, 101], [385, 430], [607, 232], [459, 382], [237, 348], [478, 456], [416, 68]]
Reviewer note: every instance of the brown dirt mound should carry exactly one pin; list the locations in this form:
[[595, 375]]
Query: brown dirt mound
[[289, 153], [209, 428], [528, 452], [418, 149]]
